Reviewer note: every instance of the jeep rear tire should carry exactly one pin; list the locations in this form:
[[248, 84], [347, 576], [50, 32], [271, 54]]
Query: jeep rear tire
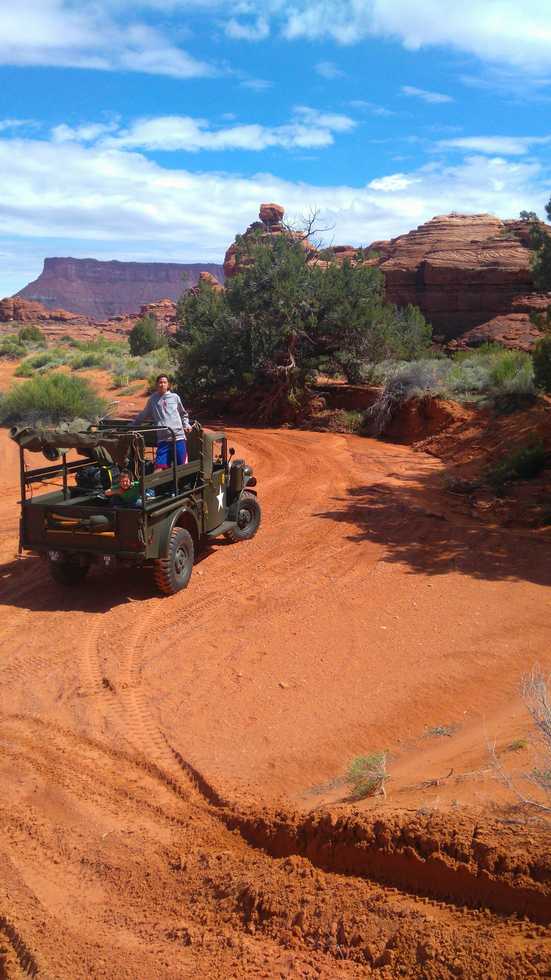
[[174, 572], [68, 573], [248, 519]]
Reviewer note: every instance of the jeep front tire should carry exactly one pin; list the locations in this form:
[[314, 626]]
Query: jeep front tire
[[248, 519]]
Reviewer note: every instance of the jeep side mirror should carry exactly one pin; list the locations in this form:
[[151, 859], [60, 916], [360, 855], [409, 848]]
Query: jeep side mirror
[[231, 451]]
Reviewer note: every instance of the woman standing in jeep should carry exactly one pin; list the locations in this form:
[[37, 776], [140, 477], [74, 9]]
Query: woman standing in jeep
[[165, 408]]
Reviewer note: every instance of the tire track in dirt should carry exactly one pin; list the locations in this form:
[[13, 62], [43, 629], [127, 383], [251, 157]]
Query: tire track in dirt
[[25, 959]]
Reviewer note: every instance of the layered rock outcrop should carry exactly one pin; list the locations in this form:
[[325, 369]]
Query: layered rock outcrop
[[15, 309], [106, 289], [460, 270], [463, 271]]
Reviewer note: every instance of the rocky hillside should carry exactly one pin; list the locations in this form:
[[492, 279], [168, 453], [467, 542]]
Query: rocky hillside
[[102, 290], [463, 271]]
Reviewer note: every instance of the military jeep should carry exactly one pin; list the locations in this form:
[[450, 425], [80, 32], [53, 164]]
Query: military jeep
[[75, 526]]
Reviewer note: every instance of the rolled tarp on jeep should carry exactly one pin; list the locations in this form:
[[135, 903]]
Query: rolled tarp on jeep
[[69, 518]]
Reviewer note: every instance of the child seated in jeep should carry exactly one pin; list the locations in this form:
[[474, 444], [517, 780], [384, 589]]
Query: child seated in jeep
[[127, 493]]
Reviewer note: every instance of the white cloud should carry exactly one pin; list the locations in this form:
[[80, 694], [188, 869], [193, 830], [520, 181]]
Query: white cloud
[[394, 182], [308, 128], [256, 30], [58, 34], [371, 107], [97, 194], [329, 70], [422, 93], [495, 145]]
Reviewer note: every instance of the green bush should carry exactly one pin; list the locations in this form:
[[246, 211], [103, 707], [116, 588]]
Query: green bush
[[42, 361], [31, 334], [87, 360], [12, 350], [50, 399], [522, 464], [145, 337], [542, 363], [127, 369]]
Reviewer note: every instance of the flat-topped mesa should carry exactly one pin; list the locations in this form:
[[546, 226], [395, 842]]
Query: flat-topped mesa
[[101, 289], [462, 270], [270, 223]]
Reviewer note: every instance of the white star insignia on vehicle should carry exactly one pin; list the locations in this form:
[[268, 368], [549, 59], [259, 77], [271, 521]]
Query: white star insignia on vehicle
[[220, 498]]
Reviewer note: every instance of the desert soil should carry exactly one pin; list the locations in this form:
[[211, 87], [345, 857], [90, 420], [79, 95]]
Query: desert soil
[[172, 801]]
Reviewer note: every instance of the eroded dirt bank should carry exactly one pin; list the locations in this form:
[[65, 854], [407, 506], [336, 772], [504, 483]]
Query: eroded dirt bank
[[159, 756]]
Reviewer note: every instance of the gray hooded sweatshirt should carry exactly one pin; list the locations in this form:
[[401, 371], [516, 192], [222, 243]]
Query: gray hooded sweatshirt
[[168, 410]]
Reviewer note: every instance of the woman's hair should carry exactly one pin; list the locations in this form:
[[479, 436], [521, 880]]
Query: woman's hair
[[163, 375]]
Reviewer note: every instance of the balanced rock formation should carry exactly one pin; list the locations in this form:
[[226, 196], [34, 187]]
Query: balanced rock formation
[[106, 289], [270, 224]]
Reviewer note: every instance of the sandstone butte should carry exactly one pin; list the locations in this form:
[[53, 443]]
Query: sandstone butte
[[463, 271], [102, 290]]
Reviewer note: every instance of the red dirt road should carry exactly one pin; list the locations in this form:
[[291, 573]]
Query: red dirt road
[[143, 738]]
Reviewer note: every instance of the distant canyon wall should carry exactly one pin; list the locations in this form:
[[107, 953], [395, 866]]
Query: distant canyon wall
[[102, 290]]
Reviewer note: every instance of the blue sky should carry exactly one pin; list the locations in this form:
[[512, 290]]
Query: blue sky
[[152, 129]]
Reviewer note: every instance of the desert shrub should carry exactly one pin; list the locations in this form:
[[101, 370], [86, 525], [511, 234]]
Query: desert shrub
[[538, 700], [31, 334], [542, 363], [127, 369], [87, 360], [367, 775], [144, 336], [11, 349], [41, 361], [522, 464], [50, 398]]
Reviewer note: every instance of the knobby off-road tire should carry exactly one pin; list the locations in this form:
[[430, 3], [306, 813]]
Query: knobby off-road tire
[[68, 573], [248, 519], [174, 572]]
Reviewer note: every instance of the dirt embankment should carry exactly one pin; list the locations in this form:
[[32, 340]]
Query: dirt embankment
[[170, 799]]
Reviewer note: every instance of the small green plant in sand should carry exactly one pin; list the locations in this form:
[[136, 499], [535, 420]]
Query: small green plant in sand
[[441, 731], [518, 745], [367, 775]]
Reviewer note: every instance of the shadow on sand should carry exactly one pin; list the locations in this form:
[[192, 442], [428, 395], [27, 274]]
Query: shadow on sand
[[418, 528], [26, 584]]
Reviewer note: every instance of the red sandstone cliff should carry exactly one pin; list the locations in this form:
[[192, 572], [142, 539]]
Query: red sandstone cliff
[[106, 289]]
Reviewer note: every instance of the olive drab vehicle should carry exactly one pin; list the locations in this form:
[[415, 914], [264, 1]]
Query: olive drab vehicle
[[75, 526]]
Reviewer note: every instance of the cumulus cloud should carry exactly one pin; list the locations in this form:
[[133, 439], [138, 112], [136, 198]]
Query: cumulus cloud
[[495, 145], [59, 34], [106, 34], [79, 193], [308, 128], [424, 95]]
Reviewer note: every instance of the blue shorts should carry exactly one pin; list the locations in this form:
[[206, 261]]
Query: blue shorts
[[163, 458]]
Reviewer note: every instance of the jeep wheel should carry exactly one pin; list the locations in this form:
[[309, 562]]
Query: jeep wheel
[[248, 519], [68, 573], [174, 572]]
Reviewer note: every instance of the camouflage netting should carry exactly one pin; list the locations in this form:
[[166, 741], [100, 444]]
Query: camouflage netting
[[103, 445]]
